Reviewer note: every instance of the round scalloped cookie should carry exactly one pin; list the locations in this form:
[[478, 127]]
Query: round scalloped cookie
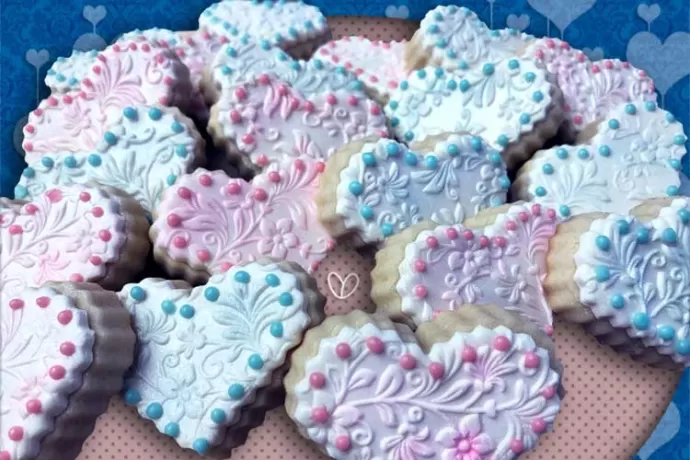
[[377, 64], [66, 73], [511, 105], [591, 90], [141, 154], [296, 27], [454, 37], [635, 154], [265, 120]]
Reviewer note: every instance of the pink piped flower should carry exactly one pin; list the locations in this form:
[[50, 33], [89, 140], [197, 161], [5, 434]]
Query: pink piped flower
[[466, 442], [278, 238]]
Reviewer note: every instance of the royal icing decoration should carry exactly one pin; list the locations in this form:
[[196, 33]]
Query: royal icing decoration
[[385, 188], [502, 264], [125, 74], [204, 352], [637, 277], [591, 90], [47, 346], [282, 23], [66, 74], [268, 120], [213, 222], [454, 37], [142, 154], [636, 154], [65, 234], [379, 65], [370, 393], [499, 102]]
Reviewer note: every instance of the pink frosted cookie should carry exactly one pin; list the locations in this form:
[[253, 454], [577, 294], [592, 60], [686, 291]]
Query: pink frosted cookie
[[209, 222], [497, 257], [64, 351], [379, 65], [591, 90], [474, 384], [265, 120], [71, 234], [125, 74]]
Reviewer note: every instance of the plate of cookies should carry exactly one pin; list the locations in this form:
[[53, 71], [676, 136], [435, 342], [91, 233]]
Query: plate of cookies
[[256, 240]]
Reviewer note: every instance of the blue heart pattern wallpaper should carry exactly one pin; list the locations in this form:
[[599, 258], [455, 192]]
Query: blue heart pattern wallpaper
[[652, 36]]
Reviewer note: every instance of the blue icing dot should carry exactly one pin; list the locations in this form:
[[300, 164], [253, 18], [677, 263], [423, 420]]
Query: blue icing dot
[[583, 154], [187, 311], [168, 307], [356, 188], [672, 190], [409, 135], [623, 227], [614, 124], [640, 320], [211, 293], [47, 162], [679, 139], [293, 32], [255, 362], [392, 149], [525, 118], [309, 24], [513, 64], [218, 416], [650, 106], [386, 229], [155, 113], [675, 164], [172, 429], [236, 391], [453, 150], [495, 158], [51, 72], [200, 445], [643, 235], [60, 77], [464, 85], [502, 140], [395, 122], [421, 73], [283, 56], [488, 69], [462, 64], [530, 77], [29, 172], [496, 34], [404, 85], [242, 277], [433, 29], [665, 332], [232, 52], [683, 347], [562, 153], [20, 192], [278, 38], [130, 113], [504, 182], [630, 109], [602, 273], [285, 299], [393, 104], [452, 85], [684, 215], [476, 143], [564, 210], [73, 81], [170, 180], [276, 329], [366, 212], [132, 397], [670, 117], [604, 150], [369, 159], [669, 236], [110, 138], [411, 159], [177, 127], [547, 169], [438, 17], [70, 162], [431, 162], [438, 72], [272, 280], [603, 242], [181, 151], [226, 70], [617, 301], [154, 411], [537, 96], [540, 191], [137, 293], [441, 43], [94, 159]]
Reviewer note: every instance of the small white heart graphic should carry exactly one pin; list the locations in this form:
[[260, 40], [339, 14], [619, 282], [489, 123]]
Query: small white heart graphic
[[648, 12], [94, 14], [397, 12], [518, 22], [37, 58], [594, 54], [342, 292]]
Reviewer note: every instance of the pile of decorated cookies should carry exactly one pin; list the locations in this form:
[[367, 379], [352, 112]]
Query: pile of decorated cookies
[[406, 148]]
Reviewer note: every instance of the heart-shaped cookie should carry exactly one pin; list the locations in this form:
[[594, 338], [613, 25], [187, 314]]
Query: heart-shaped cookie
[[208, 222], [376, 189], [265, 120], [125, 74], [141, 154], [204, 352], [71, 234], [498, 257], [363, 387], [635, 154]]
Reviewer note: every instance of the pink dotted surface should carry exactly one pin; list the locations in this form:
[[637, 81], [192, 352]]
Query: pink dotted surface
[[611, 407]]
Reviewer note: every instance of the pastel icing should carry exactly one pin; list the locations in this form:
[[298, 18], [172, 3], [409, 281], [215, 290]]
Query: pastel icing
[[47, 346], [213, 222], [267, 120], [502, 264], [636, 154], [204, 352], [66, 73], [499, 102], [455, 38], [636, 276], [65, 234], [377, 64], [142, 154], [370, 393], [591, 90], [282, 23], [385, 188], [124, 75]]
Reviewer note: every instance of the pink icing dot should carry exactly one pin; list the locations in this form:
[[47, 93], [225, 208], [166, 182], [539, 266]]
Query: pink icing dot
[[105, 235], [263, 79], [16, 433], [436, 371], [320, 167], [67, 99], [33, 406], [184, 193], [233, 189], [549, 330], [204, 255], [294, 104], [4, 455], [581, 57], [608, 64], [524, 217], [468, 234], [538, 425], [160, 59], [330, 245], [97, 69], [549, 392], [308, 106], [393, 84], [16, 229], [64, 317], [550, 43], [343, 350], [87, 82], [16, 304], [235, 117], [373, 79], [551, 213], [595, 69], [248, 139], [432, 242], [315, 265], [260, 194], [299, 165], [95, 260], [262, 160], [501, 343], [274, 176], [28, 146], [565, 45], [451, 233], [76, 278], [54, 195], [29, 129], [408, 362], [317, 380], [358, 71], [539, 54], [499, 241], [179, 242], [39, 112], [146, 48], [241, 93], [511, 225], [375, 110], [352, 100], [164, 100], [375, 345], [342, 443], [419, 265], [331, 99], [469, 354], [43, 301], [31, 209], [516, 446], [283, 90], [483, 241], [319, 414], [57, 372], [52, 101], [577, 119], [173, 220], [225, 266], [168, 81], [67, 348], [532, 360], [421, 291], [205, 180], [536, 209], [626, 65], [97, 211]]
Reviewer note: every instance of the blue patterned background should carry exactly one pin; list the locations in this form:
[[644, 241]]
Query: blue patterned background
[[653, 36]]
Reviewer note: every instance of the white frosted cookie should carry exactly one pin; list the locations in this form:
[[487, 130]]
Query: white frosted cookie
[[66, 73], [635, 154], [511, 104]]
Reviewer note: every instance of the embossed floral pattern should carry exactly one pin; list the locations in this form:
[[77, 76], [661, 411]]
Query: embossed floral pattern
[[466, 441]]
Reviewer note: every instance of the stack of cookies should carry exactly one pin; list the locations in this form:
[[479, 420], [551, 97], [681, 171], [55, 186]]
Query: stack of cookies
[[495, 177]]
